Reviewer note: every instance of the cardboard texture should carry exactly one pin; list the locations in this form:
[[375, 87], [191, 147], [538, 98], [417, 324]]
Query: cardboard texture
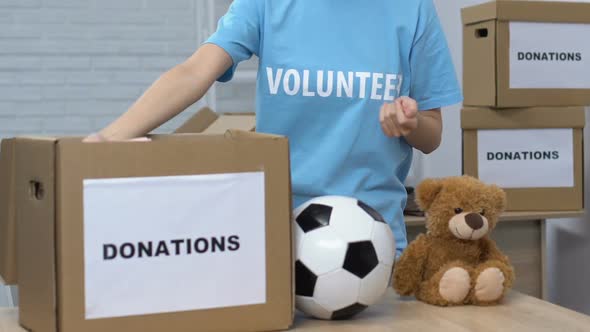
[[7, 214], [529, 199], [50, 204], [209, 122], [486, 60]]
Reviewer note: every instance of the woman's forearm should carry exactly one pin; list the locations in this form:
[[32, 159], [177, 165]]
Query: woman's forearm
[[427, 136], [172, 93]]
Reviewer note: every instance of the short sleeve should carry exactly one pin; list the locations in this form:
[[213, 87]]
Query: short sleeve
[[433, 78], [238, 33]]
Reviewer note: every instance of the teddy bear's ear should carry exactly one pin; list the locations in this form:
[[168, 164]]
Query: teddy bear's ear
[[498, 196], [427, 191]]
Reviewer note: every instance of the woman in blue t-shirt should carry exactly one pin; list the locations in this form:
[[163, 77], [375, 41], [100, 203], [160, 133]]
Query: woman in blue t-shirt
[[354, 85]]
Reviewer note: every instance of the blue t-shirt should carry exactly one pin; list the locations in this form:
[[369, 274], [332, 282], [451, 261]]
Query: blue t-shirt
[[326, 68]]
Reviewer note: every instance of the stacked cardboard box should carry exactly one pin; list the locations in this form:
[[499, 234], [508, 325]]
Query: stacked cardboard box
[[186, 232], [525, 79]]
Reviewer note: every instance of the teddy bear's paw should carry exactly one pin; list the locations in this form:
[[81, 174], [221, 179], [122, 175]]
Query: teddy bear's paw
[[454, 285], [489, 285]]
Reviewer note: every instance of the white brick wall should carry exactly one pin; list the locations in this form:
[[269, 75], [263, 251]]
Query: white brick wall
[[72, 66]]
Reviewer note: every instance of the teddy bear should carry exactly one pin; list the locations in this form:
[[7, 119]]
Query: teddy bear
[[456, 262]]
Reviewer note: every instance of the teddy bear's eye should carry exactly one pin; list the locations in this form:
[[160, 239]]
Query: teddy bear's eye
[[458, 210], [483, 212]]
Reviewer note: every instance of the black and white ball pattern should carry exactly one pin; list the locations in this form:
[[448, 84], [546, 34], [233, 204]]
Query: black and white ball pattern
[[344, 257]]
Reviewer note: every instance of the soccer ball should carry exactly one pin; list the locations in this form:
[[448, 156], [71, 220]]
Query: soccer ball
[[344, 257]]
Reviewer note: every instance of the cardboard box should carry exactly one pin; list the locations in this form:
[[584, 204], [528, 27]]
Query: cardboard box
[[205, 121], [526, 53], [535, 154], [47, 304], [185, 232]]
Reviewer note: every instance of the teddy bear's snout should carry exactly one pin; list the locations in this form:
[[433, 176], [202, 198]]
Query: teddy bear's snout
[[468, 226], [474, 220]]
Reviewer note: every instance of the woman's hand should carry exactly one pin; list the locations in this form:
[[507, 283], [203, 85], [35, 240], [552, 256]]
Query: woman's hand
[[399, 118], [422, 130], [97, 137], [94, 138]]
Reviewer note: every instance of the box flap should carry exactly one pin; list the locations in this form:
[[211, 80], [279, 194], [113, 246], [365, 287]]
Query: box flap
[[516, 118], [208, 122], [8, 207], [7, 213], [230, 134], [36, 243], [39, 138], [247, 134], [225, 122], [198, 122], [531, 11]]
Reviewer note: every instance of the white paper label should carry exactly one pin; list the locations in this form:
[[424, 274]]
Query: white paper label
[[169, 244], [549, 55], [526, 158]]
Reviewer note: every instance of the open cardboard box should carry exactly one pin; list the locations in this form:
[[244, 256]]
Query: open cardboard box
[[99, 250], [204, 121]]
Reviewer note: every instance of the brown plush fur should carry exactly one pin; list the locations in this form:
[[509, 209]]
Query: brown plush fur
[[425, 261]]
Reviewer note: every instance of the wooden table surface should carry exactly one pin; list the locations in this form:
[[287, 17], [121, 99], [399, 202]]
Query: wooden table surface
[[8, 320], [519, 312]]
